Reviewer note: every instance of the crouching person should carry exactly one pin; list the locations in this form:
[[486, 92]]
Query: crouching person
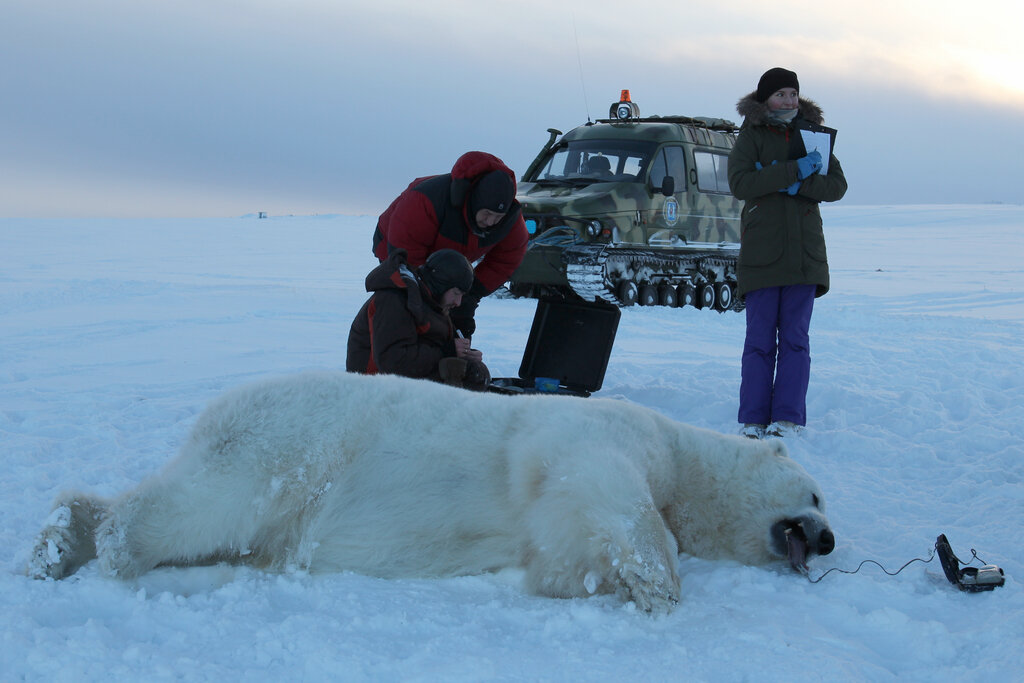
[[405, 328]]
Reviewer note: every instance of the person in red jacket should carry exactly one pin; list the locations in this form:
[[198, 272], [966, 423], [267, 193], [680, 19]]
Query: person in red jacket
[[473, 210]]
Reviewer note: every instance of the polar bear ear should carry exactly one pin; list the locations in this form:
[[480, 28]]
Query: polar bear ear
[[778, 449]]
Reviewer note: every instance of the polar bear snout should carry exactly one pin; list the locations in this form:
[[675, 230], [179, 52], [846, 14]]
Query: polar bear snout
[[827, 542], [800, 537]]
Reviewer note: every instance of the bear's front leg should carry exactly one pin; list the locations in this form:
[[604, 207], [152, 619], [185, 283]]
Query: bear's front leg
[[645, 566], [595, 529]]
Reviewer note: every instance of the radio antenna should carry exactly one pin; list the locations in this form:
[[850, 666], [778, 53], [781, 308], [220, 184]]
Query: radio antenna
[[579, 60]]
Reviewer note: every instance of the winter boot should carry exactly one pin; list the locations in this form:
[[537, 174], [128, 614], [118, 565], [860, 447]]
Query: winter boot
[[452, 371], [783, 428], [478, 377], [752, 430]]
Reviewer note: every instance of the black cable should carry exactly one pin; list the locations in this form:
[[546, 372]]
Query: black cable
[[931, 556]]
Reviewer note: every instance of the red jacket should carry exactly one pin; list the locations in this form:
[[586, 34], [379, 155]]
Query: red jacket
[[431, 214]]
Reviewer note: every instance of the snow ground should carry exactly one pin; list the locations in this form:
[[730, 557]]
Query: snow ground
[[117, 332]]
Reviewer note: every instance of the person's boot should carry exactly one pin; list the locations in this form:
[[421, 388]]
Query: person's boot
[[452, 371], [783, 429], [478, 377], [752, 430]]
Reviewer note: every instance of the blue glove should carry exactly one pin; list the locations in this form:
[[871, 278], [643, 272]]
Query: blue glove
[[808, 165], [758, 166]]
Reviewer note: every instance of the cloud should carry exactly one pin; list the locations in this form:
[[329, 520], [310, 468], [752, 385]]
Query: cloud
[[234, 106]]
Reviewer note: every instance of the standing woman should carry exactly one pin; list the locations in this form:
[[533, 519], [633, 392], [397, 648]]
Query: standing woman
[[782, 264]]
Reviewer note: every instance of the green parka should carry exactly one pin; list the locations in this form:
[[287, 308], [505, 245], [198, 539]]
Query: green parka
[[782, 242]]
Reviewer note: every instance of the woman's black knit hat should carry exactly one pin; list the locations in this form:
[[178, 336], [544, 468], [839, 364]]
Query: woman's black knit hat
[[775, 79]]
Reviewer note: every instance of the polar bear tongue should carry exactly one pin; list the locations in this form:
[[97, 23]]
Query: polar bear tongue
[[797, 549]]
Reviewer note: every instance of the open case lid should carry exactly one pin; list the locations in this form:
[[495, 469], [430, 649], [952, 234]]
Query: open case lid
[[570, 342]]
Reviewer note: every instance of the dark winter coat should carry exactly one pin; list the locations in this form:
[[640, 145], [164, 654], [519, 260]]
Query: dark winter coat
[[782, 242], [400, 330], [432, 214]]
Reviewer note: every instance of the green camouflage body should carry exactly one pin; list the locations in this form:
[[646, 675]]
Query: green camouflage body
[[700, 215]]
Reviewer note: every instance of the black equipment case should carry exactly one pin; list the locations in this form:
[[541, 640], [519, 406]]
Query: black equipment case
[[567, 352]]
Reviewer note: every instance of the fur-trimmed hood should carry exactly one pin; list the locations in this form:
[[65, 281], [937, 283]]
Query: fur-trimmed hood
[[394, 273], [756, 113]]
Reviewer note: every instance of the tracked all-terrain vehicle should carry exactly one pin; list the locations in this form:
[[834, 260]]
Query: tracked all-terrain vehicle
[[633, 209]]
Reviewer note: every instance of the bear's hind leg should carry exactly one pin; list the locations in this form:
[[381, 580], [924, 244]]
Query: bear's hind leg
[[189, 515], [68, 540]]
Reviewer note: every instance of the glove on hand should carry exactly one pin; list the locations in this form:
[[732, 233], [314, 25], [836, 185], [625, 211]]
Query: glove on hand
[[808, 165], [758, 166]]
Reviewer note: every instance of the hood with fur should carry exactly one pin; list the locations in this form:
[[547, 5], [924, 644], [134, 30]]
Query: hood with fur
[[394, 273], [756, 113]]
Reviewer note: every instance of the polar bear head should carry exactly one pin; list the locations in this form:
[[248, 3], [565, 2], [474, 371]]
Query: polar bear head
[[749, 502]]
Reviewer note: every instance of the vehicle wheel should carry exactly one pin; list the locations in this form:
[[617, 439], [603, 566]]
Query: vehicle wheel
[[706, 296], [686, 294], [648, 295], [627, 292], [667, 296], [723, 296]]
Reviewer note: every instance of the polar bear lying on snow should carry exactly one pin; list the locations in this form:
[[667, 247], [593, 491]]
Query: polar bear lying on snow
[[395, 477]]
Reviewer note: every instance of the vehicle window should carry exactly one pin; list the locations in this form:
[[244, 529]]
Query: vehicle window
[[669, 161], [676, 166], [659, 169], [596, 160], [712, 172]]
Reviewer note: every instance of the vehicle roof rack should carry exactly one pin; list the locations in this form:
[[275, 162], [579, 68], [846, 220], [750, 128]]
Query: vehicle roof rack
[[702, 121]]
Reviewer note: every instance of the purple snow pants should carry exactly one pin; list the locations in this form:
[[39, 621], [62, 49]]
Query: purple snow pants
[[776, 355]]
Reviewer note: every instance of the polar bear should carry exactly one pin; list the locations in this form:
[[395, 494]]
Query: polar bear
[[396, 477]]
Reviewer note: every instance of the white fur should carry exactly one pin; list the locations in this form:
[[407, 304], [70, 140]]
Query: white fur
[[397, 478]]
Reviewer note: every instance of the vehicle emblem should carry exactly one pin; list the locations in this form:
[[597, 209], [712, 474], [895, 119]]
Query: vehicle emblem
[[671, 211]]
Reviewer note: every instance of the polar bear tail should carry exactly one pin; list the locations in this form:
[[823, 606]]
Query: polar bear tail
[[68, 540]]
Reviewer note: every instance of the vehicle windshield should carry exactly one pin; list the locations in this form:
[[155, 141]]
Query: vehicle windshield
[[582, 162]]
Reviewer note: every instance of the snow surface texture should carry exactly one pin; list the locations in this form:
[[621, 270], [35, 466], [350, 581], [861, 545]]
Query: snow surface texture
[[115, 334]]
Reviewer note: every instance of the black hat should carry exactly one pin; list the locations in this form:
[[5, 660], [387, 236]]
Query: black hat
[[444, 269], [776, 79], [494, 191]]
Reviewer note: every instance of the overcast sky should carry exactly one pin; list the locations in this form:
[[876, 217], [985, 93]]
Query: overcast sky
[[227, 107]]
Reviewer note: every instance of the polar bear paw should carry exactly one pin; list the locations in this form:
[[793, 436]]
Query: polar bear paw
[[55, 547], [649, 584]]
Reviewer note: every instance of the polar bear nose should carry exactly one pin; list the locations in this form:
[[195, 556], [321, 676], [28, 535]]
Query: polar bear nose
[[826, 542]]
